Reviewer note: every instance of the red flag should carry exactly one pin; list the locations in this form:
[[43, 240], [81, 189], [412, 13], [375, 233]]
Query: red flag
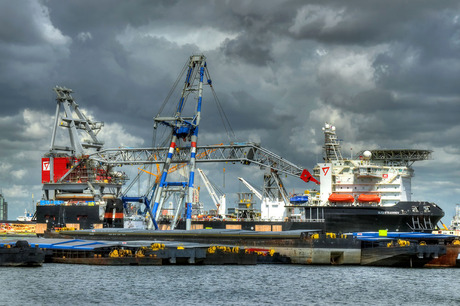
[[306, 177]]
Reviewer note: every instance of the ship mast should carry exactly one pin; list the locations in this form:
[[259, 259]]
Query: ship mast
[[331, 147]]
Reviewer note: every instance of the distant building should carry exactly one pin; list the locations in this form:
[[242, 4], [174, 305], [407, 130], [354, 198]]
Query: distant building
[[3, 208]]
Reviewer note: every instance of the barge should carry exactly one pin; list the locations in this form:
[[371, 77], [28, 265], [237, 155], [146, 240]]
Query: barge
[[301, 247], [20, 254]]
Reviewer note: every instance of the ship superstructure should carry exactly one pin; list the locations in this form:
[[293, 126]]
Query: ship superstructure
[[374, 177]]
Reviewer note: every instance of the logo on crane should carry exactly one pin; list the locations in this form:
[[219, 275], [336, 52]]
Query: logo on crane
[[46, 166], [325, 170]]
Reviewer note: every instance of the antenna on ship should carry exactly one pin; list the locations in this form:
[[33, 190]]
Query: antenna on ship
[[331, 147]]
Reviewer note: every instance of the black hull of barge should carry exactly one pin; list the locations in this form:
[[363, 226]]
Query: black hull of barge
[[85, 216], [58, 216], [21, 254]]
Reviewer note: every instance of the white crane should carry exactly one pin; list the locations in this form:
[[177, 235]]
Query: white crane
[[271, 209], [218, 201], [253, 190]]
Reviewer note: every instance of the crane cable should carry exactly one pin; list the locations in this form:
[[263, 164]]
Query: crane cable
[[230, 134], [173, 88]]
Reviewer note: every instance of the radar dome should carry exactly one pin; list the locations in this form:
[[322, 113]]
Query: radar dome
[[327, 126], [367, 154]]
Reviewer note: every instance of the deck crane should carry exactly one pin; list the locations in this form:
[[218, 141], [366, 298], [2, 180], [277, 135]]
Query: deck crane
[[250, 187], [148, 197], [246, 153], [219, 201], [185, 128], [67, 169], [274, 199], [97, 166], [69, 175]]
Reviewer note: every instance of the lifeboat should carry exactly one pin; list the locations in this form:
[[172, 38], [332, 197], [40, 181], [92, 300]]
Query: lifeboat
[[369, 198], [299, 199], [347, 198]]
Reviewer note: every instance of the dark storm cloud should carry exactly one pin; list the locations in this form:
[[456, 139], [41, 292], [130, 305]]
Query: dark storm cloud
[[106, 16], [250, 49], [408, 68], [368, 22], [253, 112], [252, 45], [29, 51], [17, 26]]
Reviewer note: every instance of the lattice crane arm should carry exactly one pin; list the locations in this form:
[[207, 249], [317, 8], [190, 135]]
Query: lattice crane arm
[[245, 153]]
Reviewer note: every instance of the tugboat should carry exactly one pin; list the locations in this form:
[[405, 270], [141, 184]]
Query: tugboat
[[26, 217]]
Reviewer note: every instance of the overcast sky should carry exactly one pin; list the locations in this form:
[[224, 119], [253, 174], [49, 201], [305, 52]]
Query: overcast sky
[[385, 73]]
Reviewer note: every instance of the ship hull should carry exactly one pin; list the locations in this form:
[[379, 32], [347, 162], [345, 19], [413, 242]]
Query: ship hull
[[75, 216], [402, 217], [60, 216]]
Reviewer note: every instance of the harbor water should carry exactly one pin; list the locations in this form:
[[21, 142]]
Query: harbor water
[[62, 284]]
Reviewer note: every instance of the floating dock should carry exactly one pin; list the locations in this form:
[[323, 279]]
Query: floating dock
[[218, 247], [91, 252], [300, 247], [394, 247], [310, 246]]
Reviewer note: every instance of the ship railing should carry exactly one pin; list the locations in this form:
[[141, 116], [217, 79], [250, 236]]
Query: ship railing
[[368, 172], [367, 204], [311, 220]]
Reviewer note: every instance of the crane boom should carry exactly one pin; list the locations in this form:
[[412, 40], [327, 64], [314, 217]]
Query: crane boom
[[257, 193], [219, 202], [245, 153], [211, 190]]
